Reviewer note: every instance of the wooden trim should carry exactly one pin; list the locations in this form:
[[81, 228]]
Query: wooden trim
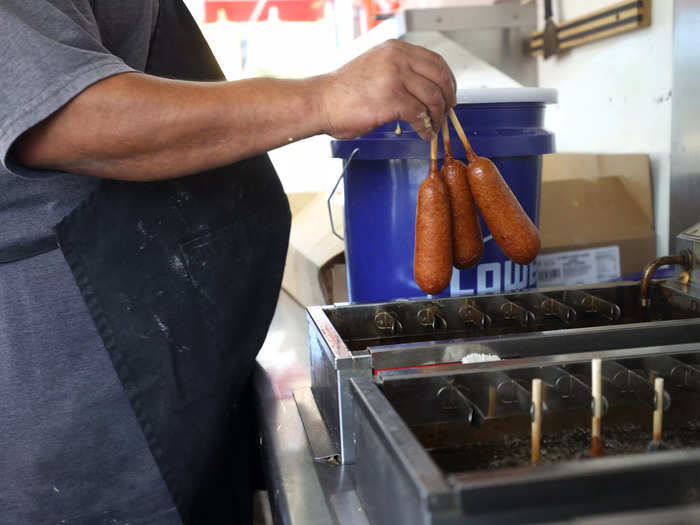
[[616, 19], [600, 29], [646, 13], [597, 36], [611, 19], [599, 13], [602, 13]]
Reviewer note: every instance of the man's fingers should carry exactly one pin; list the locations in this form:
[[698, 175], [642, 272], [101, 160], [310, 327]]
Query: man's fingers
[[433, 67], [429, 94], [416, 114]]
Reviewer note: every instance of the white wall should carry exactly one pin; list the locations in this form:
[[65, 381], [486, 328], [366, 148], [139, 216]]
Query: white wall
[[196, 7], [615, 95]]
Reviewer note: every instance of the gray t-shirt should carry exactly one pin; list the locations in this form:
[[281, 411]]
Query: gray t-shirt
[[71, 450]]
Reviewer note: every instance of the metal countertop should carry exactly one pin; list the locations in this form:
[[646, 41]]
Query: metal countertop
[[301, 490]]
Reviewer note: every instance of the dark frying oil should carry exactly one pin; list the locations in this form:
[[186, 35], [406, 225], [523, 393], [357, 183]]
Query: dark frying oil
[[566, 445]]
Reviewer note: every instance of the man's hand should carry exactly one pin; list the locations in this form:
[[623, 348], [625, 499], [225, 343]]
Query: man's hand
[[392, 81]]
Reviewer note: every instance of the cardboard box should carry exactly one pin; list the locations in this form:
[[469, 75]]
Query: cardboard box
[[589, 202], [315, 268]]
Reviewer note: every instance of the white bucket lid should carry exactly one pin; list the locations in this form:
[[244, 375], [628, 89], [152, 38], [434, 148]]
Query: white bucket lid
[[503, 95]]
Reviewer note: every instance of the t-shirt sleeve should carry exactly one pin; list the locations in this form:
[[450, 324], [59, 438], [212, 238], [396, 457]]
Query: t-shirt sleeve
[[50, 51]]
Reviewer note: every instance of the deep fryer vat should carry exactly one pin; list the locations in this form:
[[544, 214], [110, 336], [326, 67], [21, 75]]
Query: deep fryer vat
[[481, 420], [416, 434], [360, 340]]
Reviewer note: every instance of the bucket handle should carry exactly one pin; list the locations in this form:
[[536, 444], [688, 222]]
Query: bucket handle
[[335, 188]]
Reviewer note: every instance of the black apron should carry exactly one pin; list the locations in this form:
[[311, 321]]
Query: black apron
[[181, 278]]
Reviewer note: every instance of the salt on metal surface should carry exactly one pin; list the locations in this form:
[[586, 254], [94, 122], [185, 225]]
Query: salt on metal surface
[[477, 357]]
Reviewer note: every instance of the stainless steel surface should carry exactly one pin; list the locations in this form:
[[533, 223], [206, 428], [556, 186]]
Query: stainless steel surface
[[534, 344], [392, 477], [293, 486], [503, 49], [685, 119], [690, 289], [470, 314], [306, 491], [591, 304], [301, 491], [395, 477], [499, 307], [682, 515], [509, 381], [637, 479], [497, 34], [629, 382], [332, 365], [322, 446], [333, 346], [347, 505], [544, 360], [679, 374], [395, 465], [690, 240], [350, 341], [388, 323], [563, 390], [451, 398], [546, 306], [505, 15], [356, 328]]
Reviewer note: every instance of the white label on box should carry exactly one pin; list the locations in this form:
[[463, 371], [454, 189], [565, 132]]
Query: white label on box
[[579, 267]]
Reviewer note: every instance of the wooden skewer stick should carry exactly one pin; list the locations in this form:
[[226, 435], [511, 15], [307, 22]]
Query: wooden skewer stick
[[433, 151], [597, 391], [659, 410], [462, 136], [536, 420], [446, 139], [493, 399], [433, 155]]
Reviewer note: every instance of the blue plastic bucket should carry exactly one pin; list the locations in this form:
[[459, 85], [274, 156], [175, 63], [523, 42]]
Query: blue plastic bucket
[[381, 186]]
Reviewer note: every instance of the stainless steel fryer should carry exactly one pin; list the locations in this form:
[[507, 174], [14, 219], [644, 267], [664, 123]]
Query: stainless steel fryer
[[434, 440]]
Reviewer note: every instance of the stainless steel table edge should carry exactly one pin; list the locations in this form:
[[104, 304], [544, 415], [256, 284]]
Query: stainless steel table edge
[[294, 490], [302, 491]]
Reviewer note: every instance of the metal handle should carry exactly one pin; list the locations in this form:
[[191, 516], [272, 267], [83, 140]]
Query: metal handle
[[547, 9], [335, 188]]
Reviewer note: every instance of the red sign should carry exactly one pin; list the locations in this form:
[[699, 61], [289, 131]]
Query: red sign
[[241, 10]]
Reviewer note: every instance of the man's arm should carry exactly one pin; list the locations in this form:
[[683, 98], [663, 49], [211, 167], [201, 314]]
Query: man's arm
[[138, 127]]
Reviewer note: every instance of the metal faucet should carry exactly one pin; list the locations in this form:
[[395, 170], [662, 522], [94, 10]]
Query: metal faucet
[[685, 259]]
